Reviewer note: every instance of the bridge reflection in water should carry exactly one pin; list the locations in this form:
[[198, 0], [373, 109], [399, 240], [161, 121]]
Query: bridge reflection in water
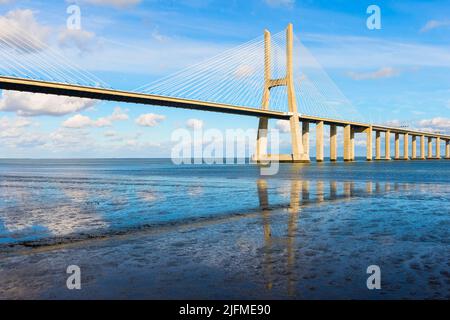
[[307, 193]]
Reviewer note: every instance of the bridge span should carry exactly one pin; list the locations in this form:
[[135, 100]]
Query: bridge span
[[264, 80], [425, 150]]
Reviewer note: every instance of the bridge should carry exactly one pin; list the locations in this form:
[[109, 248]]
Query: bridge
[[263, 83]]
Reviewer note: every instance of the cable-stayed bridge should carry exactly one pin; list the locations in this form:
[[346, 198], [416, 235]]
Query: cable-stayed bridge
[[271, 77]]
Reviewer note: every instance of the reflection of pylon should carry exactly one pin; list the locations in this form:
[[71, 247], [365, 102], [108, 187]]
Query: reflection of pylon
[[298, 155]]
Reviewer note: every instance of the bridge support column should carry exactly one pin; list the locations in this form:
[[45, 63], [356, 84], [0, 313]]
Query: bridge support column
[[430, 148], [438, 147], [348, 143], [297, 147], [388, 145], [261, 142], [352, 141], [397, 146], [333, 142], [305, 136], [447, 149], [378, 145], [369, 154], [406, 147], [422, 147], [319, 141], [414, 148]]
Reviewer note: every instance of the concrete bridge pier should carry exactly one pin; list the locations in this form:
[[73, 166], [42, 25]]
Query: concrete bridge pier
[[438, 147], [387, 145], [422, 147], [319, 141], [378, 145], [333, 142], [305, 137], [397, 146], [352, 143], [349, 143], [369, 151], [406, 147], [430, 148], [447, 149], [261, 140], [414, 148], [368, 131], [298, 154]]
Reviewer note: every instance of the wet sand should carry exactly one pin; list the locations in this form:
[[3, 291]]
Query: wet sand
[[315, 251]]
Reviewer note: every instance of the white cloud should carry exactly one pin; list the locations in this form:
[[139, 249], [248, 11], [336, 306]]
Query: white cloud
[[67, 142], [83, 40], [386, 72], [283, 125], [5, 122], [115, 3], [436, 123], [35, 104], [14, 134], [79, 121], [18, 22], [149, 119], [194, 124], [63, 140], [119, 114], [28, 140], [435, 24], [102, 122], [12, 128]]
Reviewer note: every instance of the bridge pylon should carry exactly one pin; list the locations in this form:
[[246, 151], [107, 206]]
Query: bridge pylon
[[298, 153]]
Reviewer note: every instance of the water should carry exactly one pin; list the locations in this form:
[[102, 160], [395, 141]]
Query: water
[[150, 229]]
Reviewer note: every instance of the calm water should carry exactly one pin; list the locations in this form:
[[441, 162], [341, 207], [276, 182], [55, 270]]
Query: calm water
[[150, 229]]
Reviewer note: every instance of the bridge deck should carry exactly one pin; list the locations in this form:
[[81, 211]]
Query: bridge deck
[[129, 97], [36, 86]]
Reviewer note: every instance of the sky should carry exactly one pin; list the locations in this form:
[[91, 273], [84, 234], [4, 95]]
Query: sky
[[397, 75]]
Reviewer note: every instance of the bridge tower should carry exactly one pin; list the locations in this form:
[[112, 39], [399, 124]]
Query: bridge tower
[[298, 154]]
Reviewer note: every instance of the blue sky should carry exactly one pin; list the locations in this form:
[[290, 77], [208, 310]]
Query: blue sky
[[397, 74]]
